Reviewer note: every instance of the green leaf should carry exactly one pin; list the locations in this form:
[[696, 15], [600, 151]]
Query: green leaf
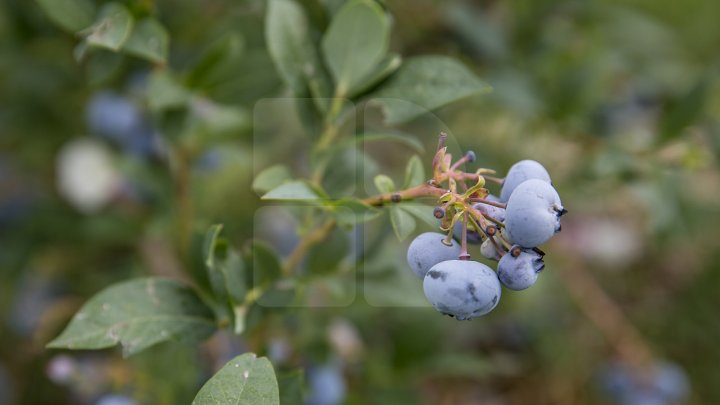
[[149, 40], [384, 69], [347, 170], [351, 211], [310, 115], [246, 379], [291, 388], [164, 92], [270, 178], [70, 15], [279, 295], [408, 140], [215, 61], [384, 184], [292, 191], [355, 43], [209, 243], [226, 274], [210, 119], [425, 83], [288, 39], [414, 172], [266, 266], [403, 223], [102, 65], [686, 110], [325, 257], [137, 314], [421, 212], [112, 27]]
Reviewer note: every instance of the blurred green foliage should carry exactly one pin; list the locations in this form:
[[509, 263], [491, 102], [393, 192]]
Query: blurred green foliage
[[619, 99]]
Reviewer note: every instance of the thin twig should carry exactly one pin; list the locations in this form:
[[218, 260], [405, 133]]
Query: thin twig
[[602, 310], [463, 239], [316, 236], [488, 202], [423, 190]]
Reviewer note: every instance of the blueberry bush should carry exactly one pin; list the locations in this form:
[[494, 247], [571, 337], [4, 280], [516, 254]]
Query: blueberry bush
[[297, 201]]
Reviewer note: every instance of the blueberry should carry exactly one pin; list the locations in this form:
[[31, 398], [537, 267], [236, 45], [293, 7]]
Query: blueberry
[[488, 250], [113, 399], [463, 289], [518, 173], [491, 211], [326, 385], [429, 249], [671, 381], [118, 119], [521, 272], [533, 213], [665, 383]]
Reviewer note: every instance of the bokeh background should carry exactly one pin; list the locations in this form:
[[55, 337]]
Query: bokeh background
[[619, 99]]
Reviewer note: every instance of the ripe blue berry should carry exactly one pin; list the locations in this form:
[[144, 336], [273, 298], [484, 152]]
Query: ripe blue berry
[[521, 272], [488, 250], [429, 249], [463, 289], [118, 119], [520, 172], [665, 383], [533, 213], [326, 385], [491, 211]]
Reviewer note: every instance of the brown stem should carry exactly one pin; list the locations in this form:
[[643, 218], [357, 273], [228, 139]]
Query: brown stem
[[488, 202], [477, 216], [321, 233], [463, 239], [459, 162], [183, 199], [316, 236], [602, 310], [423, 190], [493, 220]]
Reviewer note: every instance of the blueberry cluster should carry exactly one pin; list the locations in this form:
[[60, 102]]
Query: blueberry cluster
[[507, 229]]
